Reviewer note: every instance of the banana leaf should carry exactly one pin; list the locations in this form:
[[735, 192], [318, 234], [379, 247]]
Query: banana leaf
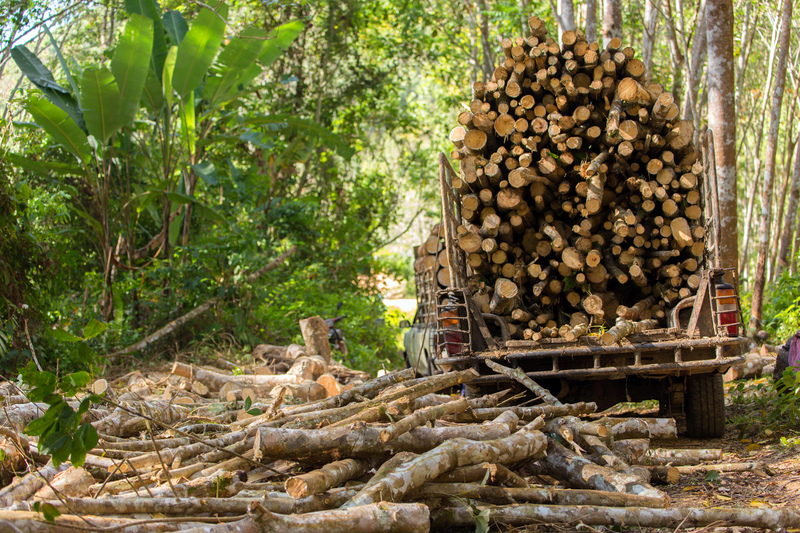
[[131, 63], [59, 125], [199, 47], [100, 99]]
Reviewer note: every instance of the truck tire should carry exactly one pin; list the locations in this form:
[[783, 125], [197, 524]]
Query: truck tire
[[705, 406]]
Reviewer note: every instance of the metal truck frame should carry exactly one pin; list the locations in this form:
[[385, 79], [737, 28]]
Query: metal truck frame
[[681, 365]]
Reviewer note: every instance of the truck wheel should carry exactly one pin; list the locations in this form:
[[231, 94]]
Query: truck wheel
[[705, 406]]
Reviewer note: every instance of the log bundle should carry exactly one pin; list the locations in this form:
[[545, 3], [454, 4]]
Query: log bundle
[[580, 191], [430, 259], [391, 454]]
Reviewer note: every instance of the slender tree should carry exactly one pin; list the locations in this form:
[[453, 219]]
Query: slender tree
[[744, 263], [695, 67], [488, 54], [759, 278], [591, 20], [675, 52], [564, 14], [786, 218], [612, 20], [649, 36], [745, 44]]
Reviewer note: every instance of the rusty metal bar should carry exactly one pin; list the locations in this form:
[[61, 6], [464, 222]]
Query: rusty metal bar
[[661, 368], [597, 351]]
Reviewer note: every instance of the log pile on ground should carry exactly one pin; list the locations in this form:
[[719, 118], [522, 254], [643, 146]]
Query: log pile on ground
[[392, 454], [580, 191]]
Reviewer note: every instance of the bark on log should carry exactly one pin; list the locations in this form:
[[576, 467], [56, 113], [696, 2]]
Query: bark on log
[[526, 413], [377, 518], [518, 375], [325, 478], [315, 337], [676, 457], [26, 486], [582, 473], [491, 473], [525, 444], [421, 417], [643, 428], [503, 495], [523, 515], [304, 368]]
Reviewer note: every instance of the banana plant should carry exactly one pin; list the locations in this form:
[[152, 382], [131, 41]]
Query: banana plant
[[85, 120], [143, 129]]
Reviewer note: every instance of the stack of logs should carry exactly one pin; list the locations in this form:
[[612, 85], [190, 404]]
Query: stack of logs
[[580, 191], [393, 454], [431, 259]]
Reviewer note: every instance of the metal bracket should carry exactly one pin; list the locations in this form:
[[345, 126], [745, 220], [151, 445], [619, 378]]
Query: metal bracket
[[698, 304]]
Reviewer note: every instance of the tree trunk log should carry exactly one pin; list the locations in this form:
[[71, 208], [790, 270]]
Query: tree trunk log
[[583, 474], [524, 515], [525, 444], [315, 336], [325, 478]]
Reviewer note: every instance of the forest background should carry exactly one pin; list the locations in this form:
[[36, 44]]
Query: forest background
[[156, 158]]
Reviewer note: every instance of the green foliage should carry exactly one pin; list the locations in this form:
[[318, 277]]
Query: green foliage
[[61, 435], [372, 336], [49, 511], [233, 145], [788, 389], [782, 307], [758, 406], [24, 263], [248, 403]]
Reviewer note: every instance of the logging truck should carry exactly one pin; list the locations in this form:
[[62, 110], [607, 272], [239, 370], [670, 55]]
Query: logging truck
[[676, 356]]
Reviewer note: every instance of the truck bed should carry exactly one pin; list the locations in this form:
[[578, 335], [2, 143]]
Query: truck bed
[[657, 353]]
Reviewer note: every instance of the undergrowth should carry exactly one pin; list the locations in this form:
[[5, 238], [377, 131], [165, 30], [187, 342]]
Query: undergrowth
[[761, 408]]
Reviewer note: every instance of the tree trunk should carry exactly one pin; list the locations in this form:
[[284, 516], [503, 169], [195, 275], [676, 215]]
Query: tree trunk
[[745, 42], [649, 36], [26, 486], [698, 58], [612, 20], [634, 517], [526, 413], [743, 257], [483, 24], [315, 337], [679, 457], [775, 245], [577, 472], [327, 477], [759, 277], [748, 223], [501, 495], [566, 17], [378, 518], [722, 121], [676, 53], [591, 21]]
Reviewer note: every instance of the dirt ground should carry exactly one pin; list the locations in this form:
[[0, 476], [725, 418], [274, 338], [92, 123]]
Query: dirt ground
[[776, 486], [747, 439]]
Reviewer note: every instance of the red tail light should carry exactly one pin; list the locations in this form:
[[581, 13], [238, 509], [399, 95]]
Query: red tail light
[[727, 308], [452, 339]]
